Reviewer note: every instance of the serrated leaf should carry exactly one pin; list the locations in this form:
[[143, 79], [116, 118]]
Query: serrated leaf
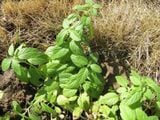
[[127, 113], [6, 64], [122, 81], [75, 48], [11, 50], [96, 68], [75, 35], [62, 100], [61, 37], [79, 60], [109, 99], [141, 115], [69, 92]]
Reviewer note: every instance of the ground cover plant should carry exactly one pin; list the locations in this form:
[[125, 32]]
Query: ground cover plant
[[69, 82]]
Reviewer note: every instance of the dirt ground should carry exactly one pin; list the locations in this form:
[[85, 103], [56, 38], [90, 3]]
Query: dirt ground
[[14, 90]]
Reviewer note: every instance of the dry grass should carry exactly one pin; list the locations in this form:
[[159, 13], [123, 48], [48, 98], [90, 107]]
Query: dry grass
[[131, 31], [127, 31], [36, 21]]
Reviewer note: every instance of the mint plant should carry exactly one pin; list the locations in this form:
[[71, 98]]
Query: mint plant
[[67, 74]]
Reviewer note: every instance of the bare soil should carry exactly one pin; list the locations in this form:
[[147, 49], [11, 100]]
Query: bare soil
[[14, 90]]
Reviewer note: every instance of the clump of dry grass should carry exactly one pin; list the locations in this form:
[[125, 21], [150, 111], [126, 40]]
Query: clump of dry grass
[[131, 31], [36, 20]]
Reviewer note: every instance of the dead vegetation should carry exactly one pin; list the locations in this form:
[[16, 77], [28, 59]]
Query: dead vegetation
[[127, 31], [131, 31]]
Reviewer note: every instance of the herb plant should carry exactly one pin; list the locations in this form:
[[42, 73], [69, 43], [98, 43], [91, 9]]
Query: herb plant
[[67, 74], [68, 78]]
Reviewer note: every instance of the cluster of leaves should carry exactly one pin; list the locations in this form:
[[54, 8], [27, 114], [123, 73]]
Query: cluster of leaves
[[68, 78], [132, 100], [67, 74]]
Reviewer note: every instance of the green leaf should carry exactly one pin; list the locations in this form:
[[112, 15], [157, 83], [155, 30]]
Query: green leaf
[[75, 35], [55, 52], [96, 6], [89, 2], [69, 92], [83, 101], [126, 112], [136, 79], [81, 7], [105, 110], [153, 118], [39, 59], [96, 68], [94, 57], [52, 66], [34, 116], [33, 56], [153, 86], [76, 80], [11, 50], [136, 97], [47, 108], [16, 67], [141, 115], [61, 37], [62, 100], [34, 76], [6, 64], [66, 24], [26, 53], [75, 48], [122, 81], [77, 112], [16, 107], [109, 99], [20, 71], [79, 60], [73, 98], [149, 94], [121, 90]]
